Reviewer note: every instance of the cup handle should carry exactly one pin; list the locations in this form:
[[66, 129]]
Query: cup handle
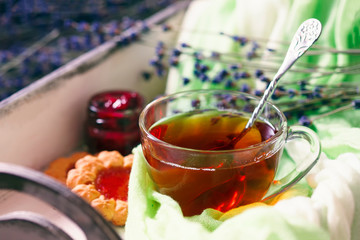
[[303, 165]]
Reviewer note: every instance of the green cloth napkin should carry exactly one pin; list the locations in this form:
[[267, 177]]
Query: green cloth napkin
[[331, 210], [156, 216]]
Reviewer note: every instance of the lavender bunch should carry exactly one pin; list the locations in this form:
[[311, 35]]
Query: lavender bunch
[[302, 96]]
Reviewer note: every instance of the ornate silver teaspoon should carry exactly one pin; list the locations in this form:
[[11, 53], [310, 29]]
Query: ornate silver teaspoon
[[308, 32]]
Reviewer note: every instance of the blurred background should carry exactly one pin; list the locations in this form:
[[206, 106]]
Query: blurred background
[[39, 36]]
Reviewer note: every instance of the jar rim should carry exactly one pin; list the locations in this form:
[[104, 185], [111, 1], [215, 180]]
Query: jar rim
[[135, 106]]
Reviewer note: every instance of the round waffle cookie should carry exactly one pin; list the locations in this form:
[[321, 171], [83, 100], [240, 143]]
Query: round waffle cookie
[[103, 180]]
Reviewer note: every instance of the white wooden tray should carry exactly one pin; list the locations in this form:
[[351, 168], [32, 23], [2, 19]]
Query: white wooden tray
[[44, 121]]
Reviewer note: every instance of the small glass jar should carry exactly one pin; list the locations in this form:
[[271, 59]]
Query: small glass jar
[[112, 121]]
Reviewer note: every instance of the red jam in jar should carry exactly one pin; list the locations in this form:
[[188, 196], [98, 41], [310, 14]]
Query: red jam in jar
[[112, 122]]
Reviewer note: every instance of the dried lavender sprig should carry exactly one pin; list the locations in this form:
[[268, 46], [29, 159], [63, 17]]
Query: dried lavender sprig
[[254, 62], [315, 105], [269, 68], [236, 56], [238, 75], [307, 121], [318, 93], [319, 49], [254, 65], [313, 99]]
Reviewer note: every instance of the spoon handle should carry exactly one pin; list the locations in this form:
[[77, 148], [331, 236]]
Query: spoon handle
[[308, 32]]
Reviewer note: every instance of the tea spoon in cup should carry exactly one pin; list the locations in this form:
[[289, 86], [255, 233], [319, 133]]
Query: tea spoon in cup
[[307, 33]]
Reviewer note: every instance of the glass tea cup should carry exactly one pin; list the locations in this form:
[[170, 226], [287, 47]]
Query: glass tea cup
[[180, 138]]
